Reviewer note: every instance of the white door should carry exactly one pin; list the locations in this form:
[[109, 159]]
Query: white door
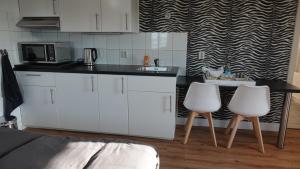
[[80, 16], [39, 108], [152, 114], [113, 104], [77, 101], [39, 8], [116, 15]]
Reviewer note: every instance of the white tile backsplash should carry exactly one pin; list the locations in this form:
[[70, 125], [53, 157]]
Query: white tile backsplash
[[165, 41], [125, 56], [179, 41], [101, 56], [87, 41], [50, 36], [76, 40], [113, 42], [100, 41], [138, 56], [152, 53], [113, 56], [165, 58], [63, 36], [138, 41], [152, 40], [5, 40], [126, 41], [179, 59]]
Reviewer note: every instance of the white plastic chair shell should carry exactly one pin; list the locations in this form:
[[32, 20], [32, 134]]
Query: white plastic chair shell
[[202, 97], [250, 101]]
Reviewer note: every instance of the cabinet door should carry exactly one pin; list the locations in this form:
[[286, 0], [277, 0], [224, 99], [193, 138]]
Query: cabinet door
[[39, 108], [152, 114], [39, 8], [116, 15], [113, 104], [80, 16], [77, 101]]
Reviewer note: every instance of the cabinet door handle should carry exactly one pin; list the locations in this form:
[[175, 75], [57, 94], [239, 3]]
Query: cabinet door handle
[[32, 75], [126, 21], [92, 81], [122, 85], [51, 95], [54, 9], [97, 26], [171, 103]]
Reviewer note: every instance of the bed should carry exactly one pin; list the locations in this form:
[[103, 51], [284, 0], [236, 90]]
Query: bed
[[24, 150]]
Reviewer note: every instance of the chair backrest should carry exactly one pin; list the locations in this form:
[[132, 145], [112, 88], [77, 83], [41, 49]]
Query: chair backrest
[[202, 97], [251, 101]]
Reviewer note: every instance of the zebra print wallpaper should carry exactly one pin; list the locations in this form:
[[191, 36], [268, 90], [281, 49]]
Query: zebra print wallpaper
[[253, 36]]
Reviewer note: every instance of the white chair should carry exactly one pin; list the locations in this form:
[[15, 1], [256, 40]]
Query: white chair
[[201, 99], [249, 103]]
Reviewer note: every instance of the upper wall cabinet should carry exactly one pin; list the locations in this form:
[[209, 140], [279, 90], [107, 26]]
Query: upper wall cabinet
[[39, 8], [80, 16], [119, 15], [99, 15]]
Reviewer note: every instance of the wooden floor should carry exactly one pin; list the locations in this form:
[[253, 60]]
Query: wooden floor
[[200, 153]]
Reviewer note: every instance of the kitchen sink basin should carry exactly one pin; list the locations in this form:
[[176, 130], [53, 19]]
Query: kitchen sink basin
[[152, 68]]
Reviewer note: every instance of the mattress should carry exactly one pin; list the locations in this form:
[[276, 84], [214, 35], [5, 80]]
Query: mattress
[[22, 150]]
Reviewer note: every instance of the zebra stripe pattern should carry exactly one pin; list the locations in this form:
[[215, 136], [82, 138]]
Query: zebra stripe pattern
[[253, 36]]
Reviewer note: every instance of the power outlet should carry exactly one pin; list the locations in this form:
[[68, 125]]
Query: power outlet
[[124, 54], [201, 55]]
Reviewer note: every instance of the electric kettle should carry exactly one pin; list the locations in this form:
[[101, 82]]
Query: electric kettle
[[90, 56]]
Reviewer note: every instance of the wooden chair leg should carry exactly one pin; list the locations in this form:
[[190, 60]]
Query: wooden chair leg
[[230, 125], [237, 121], [212, 130], [258, 134], [189, 126], [187, 121], [254, 127]]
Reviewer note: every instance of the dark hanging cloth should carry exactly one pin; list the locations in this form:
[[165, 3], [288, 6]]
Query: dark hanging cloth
[[12, 97]]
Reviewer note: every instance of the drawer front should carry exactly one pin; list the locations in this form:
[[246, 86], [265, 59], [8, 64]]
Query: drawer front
[[36, 78], [152, 83]]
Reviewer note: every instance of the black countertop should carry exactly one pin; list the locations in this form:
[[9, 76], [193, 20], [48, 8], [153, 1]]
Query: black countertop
[[275, 85], [97, 69]]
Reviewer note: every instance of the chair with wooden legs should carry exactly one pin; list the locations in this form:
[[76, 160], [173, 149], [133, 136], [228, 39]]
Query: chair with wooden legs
[[201, 99], [249, 103]]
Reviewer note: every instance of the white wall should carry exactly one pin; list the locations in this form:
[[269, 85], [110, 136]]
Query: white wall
[[170, 48]]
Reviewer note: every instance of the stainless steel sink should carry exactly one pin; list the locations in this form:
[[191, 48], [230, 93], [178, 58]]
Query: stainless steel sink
[[152, 68]]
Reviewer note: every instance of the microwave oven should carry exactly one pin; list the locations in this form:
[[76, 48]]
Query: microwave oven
[[44, 52]]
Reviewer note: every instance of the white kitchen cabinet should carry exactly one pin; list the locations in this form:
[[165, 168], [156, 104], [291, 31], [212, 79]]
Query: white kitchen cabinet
[[152, 106], [113, 104], [152, 114], [80, 16], [119, 15], [77, 101], [39, 8], [39, 108], [99, 15]]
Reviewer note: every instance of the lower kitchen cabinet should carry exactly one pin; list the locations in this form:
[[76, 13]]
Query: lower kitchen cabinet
[[152, 114], [39, 108], [113, 105], [77, 101], [117, 104]]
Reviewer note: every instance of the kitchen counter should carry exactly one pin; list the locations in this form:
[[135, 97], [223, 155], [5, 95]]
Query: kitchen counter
[[97, 69]]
